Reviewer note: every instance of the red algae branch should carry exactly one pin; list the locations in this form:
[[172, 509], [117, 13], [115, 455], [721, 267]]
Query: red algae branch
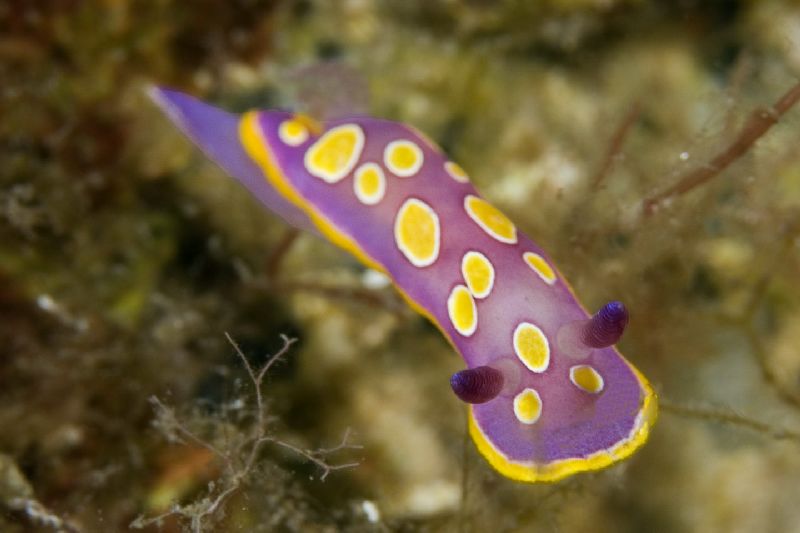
[[760, 121]]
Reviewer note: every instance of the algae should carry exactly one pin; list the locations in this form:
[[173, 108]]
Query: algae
[[125, 257]]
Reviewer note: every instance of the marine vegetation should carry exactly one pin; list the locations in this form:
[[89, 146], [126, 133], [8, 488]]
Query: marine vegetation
[[175, 357]]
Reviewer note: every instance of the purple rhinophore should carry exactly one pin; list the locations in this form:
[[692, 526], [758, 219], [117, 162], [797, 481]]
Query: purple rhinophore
[[605, 328], [477, 385]]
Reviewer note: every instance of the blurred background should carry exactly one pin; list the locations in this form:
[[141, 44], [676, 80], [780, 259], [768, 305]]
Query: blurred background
[[125, 257]]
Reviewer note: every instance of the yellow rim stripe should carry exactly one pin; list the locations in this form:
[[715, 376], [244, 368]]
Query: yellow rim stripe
[[556, 470]]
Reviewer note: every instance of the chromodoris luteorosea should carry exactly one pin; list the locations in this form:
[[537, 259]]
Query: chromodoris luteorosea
[[549, 395]]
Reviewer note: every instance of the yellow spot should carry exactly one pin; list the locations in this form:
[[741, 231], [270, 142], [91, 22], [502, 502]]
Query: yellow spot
[[528, 406], [531, 346], [293, 132], [490, 219], [462, 311], [417, 233], [369, 184], [478, 272], [586, 378], [403, 158], [456, 172], [540, 266], [335, 154]]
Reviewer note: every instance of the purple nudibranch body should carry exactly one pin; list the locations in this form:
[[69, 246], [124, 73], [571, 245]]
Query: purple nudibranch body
[[555, 398]]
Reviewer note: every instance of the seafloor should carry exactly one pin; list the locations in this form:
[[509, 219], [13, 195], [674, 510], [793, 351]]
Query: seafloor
[[126, 257]]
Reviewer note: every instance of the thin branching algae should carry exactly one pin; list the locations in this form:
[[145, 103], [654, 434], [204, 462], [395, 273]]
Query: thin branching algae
[[237, 460]]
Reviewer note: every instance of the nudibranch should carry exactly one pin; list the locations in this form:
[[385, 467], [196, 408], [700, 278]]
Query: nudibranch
[[548, 394]]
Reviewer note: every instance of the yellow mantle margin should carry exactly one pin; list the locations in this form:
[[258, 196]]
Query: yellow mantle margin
[[548, 472]]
